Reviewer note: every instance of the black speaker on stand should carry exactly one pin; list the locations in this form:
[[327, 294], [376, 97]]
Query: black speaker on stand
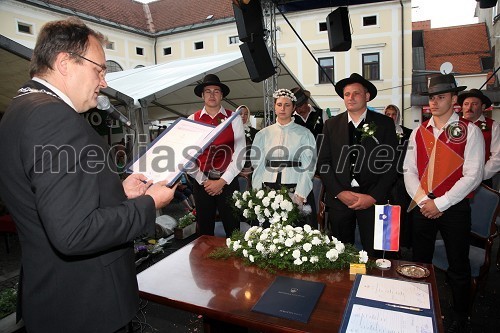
[[257, 59], [339, 30], [249, 20]]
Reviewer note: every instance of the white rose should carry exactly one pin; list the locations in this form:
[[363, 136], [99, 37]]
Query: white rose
[[271, 194], [365, 125], [297, 262], [275, 205], [296, 254], [340, 247], [298, 237], [245, 213], [267, 212], [257, 209], [260, 194], [251, 258], [238, 203], [266, 201], [263, 236], [228, 242], [314, 259], [260, 247], [363, 257], [245, 253], [332, 255], [304, 259], [279, 198], [289, 242], [316, 241], [307, 228], [250, 204], [273, 248], [236, 194], [245, 195], [307, 247]]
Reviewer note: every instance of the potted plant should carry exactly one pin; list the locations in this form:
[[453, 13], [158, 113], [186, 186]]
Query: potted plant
[[8, 300], [186, 226]]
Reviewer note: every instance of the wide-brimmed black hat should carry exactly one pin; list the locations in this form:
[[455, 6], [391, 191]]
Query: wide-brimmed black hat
[[356, 78], [211, 80], [441, 84], [474, 93], [301, 95]]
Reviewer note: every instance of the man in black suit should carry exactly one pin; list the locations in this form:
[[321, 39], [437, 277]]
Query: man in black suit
[[356, 162], [306, 115], [76, 220]]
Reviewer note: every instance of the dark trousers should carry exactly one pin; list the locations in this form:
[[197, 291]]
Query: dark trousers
[[342, 222], [207, 206], [454, 226]]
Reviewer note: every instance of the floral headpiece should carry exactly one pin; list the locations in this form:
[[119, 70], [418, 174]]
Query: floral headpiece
[[285, 93]]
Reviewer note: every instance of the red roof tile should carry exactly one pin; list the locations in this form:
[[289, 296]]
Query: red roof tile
[[463, 46]]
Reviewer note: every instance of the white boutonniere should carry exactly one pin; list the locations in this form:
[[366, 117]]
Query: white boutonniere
[[368, 131], [400, 135], [222, 120], [483, 126]]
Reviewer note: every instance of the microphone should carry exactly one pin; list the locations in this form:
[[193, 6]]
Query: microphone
[[104, 104]]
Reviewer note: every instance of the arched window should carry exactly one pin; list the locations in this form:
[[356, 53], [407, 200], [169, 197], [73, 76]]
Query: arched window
[[113, 66]]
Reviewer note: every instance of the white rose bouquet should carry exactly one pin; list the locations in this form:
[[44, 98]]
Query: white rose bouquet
[[297, 249], [266, 206]]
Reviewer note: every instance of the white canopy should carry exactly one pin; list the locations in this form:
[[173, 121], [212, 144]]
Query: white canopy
[[166, 90]]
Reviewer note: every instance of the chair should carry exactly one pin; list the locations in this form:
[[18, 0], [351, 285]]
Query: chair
[[319, 193], [485, 206]]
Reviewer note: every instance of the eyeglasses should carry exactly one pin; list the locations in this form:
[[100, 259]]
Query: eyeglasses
[[102, 67]]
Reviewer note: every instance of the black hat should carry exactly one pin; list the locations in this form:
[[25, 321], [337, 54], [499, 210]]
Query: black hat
[[356, 78], [301, 95], [474, 93], [211, 80], [441, 84]]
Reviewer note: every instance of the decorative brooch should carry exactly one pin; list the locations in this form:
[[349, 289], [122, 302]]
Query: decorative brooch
[[483, 126], [456, 132], [368, 131]]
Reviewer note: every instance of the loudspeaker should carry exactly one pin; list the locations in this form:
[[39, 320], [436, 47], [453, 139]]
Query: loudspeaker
[[339, 32], [257, 59], [249, 20]]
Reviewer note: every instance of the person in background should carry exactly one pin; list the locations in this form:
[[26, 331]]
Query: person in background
[[249, 137], [398, 195], [354, 179], [473, 103], [285, 154], [443, 204], [184, 194], [215, 177], [305, 114], [76, 220]]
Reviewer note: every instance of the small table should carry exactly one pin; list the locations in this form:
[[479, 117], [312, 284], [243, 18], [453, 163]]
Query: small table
[[226, 290]]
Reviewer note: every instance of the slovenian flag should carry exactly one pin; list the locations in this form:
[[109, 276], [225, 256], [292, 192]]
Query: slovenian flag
[[386, 235]]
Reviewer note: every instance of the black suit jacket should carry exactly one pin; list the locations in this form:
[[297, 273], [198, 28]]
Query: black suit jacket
[[377, 170], [75, 224]]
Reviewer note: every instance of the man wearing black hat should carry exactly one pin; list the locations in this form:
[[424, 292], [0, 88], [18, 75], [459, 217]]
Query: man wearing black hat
[[473, 103], [350, 164], [305, 114], [220, 163], [442, 197]]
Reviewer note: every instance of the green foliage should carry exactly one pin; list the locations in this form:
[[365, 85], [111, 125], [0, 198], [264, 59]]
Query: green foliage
[[8, 301], [186, 220]]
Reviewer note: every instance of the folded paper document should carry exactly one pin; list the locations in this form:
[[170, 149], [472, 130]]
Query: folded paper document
[[176, 149]]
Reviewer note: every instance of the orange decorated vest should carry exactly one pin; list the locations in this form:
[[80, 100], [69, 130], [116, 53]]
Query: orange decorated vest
[[442, 183], [486, 128], [219, 154]]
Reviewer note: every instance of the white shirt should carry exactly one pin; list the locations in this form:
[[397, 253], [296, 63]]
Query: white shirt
[[56, 91], [238, 158], [356, 124], [493, 165], [472, 169]]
